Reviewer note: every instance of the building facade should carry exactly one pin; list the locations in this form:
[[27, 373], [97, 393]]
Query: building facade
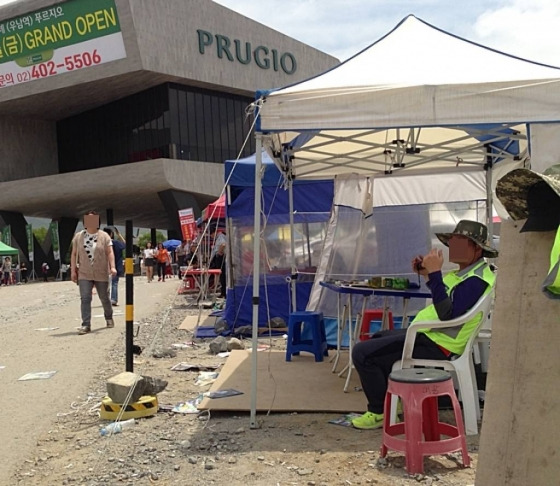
[[129, 107]]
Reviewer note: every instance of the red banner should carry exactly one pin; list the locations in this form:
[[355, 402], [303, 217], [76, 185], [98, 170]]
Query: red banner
[[188, 224]]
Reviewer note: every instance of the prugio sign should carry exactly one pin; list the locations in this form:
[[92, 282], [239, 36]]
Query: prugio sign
[[245, 53]]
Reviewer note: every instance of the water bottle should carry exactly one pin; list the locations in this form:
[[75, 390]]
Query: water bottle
[[116, 427]]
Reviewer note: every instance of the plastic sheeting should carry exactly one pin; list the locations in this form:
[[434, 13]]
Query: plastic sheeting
[[312, 207]]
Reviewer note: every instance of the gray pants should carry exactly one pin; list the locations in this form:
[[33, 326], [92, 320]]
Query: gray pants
[[86, 288]]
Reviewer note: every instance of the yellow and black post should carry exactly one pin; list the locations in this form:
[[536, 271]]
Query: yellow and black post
[[129, 276]]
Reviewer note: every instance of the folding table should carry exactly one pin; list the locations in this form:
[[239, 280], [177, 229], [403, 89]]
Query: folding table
[[201, 277], [345, 321]]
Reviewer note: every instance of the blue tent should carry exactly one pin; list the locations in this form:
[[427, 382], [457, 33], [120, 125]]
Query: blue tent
[[312, 205]]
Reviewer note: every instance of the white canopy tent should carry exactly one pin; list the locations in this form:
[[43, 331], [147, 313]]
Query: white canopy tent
[[422, 113]]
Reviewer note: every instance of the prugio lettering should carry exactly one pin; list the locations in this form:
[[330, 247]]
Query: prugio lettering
[[244, 53]]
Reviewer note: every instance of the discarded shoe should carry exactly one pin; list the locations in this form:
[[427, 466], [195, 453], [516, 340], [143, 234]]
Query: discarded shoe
[[368, 421], [84, 330], [110, 323]]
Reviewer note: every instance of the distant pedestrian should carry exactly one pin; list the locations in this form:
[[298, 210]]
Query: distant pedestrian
[[163, 259], [64, 268], [7, 271], [149, 261], [92, 261], [119, 246], [45, 271], [23, 272]]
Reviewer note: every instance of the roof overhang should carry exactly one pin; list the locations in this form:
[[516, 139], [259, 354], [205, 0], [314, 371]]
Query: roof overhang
[[132, 191]]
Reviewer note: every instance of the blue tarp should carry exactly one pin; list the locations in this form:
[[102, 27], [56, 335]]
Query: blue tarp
[[312, 203]]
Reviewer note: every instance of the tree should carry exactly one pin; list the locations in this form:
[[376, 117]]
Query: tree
[[143, 239], [40, 233]]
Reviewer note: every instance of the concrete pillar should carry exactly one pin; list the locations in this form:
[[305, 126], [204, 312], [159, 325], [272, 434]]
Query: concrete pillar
[[520, 436], [173, 201], [153, 237], [110, 219], [66, 231]]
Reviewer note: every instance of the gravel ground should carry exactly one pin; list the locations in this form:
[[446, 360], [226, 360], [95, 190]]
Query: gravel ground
[[221, 449]]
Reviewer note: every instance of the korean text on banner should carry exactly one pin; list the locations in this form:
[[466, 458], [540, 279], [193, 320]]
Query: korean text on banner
[[188, 224], [59, 39], [54, 239], [7, 235], [29, 231]]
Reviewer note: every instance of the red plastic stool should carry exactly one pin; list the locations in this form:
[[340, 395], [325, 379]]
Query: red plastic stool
[[419, 389], [189, 283], [373, 315]]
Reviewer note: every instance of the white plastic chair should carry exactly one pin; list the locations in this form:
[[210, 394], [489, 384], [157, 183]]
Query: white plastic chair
[[462, 365]]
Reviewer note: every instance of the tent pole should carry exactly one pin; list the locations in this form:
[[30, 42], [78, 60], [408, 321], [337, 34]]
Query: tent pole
[[293, 277], [489, 200], [256, 277]]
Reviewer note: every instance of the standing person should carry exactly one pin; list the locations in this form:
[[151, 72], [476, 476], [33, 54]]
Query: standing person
[[23, 271], [149, 261], [452, 296], [218, 262], [45, 271], [64, 271], [163, 259], [7, 270], [119, 246], [92, 260]]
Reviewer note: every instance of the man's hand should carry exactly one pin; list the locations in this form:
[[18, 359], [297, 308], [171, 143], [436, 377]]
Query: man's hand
[[113, 271], [74, 275], [433, 261]]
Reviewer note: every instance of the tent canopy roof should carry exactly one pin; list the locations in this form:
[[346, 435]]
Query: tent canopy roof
[[6, 250], [416, 76], [418, 98]]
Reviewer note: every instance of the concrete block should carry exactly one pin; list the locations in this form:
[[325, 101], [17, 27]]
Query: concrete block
[[119, 386]]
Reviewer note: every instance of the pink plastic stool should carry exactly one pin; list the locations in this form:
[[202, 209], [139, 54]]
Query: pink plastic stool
[[373, 315], [419, 389]]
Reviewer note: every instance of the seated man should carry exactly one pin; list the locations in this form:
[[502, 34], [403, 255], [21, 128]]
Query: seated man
[[218, 262], [191, 258], [452, 296]]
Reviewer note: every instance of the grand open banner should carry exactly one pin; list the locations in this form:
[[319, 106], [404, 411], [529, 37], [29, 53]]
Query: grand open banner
[[67, 37]]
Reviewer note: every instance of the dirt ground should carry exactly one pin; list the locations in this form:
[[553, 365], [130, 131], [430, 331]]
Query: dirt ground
[[51, 433]]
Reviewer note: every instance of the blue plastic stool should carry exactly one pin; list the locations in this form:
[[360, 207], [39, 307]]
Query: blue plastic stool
[[317, 345]]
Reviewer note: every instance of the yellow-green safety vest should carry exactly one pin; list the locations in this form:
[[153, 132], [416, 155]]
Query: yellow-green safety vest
[[551, 284], [455, 339]]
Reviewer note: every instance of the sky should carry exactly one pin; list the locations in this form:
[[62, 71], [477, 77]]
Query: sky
[[342, 28]]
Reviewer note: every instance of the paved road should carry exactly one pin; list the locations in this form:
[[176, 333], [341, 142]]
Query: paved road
[[29, 407]]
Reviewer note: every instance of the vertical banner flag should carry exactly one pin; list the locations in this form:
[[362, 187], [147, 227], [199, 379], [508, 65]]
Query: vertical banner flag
[[29, 231], [53, 228], [7, 235], [188, 224]]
